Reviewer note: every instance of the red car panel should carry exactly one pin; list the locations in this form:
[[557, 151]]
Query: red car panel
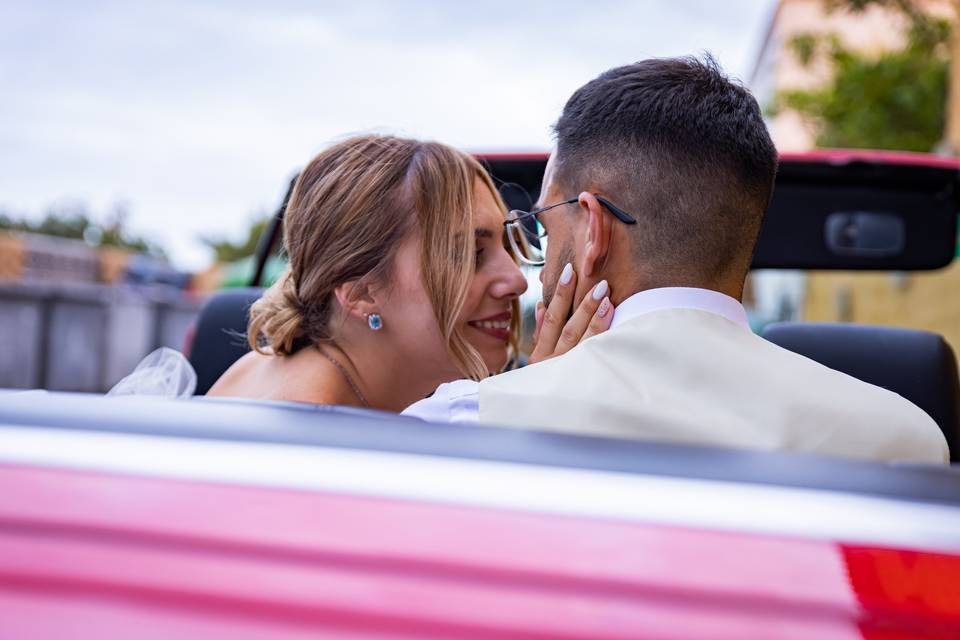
[[146, 557]]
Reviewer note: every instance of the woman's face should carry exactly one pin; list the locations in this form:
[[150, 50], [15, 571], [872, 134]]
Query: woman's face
[[497, 282], [486, 314]]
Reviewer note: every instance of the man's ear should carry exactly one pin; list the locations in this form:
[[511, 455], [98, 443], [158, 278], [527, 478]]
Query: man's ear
[[357, 299], [599, 230]]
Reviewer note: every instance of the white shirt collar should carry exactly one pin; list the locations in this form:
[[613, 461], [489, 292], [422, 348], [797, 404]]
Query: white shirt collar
[[680, 298]]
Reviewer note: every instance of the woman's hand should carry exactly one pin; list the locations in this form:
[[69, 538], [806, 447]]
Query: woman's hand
[[553, 337]]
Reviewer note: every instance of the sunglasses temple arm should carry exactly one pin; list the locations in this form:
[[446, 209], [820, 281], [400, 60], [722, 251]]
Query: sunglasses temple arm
[[617, 212]]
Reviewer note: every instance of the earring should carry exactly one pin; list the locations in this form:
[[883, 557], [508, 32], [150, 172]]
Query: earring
[[374, 321]]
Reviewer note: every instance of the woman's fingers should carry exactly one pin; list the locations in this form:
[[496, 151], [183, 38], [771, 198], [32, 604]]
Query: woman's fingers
[[601, 319], [576, 328], [555, 315], [555, 334], [538, 315]]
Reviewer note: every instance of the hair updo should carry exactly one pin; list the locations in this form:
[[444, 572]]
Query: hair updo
[[348, 212]]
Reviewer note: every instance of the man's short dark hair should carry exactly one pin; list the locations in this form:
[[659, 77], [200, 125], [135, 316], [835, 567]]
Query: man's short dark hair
[[683, 148]]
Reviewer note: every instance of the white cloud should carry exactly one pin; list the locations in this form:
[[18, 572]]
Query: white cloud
[[196, 114]]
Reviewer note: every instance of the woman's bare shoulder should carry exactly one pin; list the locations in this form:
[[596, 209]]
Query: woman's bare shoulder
[[287, 378], [237, 377]]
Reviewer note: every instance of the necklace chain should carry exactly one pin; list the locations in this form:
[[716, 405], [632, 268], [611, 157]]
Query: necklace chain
[[346, 376]]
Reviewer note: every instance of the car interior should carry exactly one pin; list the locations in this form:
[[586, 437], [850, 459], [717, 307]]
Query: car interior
[[828, 211]]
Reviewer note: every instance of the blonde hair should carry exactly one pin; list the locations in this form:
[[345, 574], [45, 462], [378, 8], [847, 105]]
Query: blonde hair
[[348, 212]]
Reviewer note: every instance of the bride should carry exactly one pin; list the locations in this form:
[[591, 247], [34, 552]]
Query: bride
[[399, 280]]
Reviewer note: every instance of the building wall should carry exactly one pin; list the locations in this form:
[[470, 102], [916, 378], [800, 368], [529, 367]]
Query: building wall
[[920, 300], [52, 259], [11, 257]]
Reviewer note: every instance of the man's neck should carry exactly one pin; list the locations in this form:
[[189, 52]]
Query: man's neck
[[623, 290]]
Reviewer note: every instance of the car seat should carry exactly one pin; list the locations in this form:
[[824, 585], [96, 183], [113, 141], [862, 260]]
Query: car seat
[[220, 338], [918, 365]]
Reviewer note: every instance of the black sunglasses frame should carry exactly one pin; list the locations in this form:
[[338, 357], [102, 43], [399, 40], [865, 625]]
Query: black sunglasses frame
[[526, 219], [617, 212]]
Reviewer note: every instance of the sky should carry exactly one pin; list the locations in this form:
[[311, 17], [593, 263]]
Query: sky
[[194, 115]]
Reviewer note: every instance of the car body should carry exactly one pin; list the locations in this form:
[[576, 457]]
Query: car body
[[918, 190], [210, 518], [142, 517]]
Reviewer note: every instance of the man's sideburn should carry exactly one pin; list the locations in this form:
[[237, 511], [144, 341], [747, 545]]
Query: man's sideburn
[[550, 288]]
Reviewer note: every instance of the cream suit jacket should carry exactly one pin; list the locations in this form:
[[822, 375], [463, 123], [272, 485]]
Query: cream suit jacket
[[691, 376]]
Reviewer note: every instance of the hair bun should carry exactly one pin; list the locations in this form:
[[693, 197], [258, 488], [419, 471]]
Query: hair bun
[[276, 319]]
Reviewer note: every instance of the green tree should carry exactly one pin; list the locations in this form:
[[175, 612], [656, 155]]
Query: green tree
[[894, 100], [227, 251], [76, 222]]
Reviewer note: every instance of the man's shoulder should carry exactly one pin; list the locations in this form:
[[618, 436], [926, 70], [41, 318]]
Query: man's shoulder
[[717, 357], [847, 404], [691, 369]]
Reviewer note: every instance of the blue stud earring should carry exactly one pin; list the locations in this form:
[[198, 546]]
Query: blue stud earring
[[374, 321]]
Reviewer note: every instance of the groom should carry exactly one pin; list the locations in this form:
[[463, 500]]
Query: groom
[[668, 169]]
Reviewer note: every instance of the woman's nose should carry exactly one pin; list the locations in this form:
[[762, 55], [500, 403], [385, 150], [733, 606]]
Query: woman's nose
[[510, 281]]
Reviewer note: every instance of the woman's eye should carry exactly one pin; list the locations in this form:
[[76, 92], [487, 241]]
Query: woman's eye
[[479, 258]]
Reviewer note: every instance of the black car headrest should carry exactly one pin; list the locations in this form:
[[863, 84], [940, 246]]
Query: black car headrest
[[918, 365], [220, 338]]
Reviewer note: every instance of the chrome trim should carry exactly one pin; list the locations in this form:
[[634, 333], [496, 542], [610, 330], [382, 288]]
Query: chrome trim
[[722, 506]]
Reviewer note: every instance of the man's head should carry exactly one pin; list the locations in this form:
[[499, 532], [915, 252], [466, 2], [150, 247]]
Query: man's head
[[682, 149]]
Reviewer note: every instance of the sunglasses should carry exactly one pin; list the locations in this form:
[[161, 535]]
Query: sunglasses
[[527, 234]]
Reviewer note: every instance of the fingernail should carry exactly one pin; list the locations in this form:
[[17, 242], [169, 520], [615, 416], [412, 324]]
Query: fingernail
[[604, 307], [567, 274], [600, 290], [539, 313]]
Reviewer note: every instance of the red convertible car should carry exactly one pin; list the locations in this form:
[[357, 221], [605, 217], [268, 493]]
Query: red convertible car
[[149, 518], [207, 518]]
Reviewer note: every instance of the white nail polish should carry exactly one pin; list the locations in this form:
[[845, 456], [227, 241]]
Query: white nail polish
[[600, 290], [604, 308], [567, 274]]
